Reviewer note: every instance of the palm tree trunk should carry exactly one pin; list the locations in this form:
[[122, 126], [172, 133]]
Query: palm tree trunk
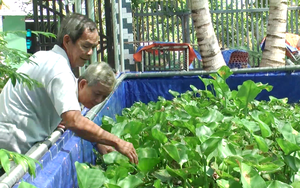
[[206, 37], [274, 52]]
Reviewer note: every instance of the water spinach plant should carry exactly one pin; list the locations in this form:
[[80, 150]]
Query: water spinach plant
[[216, 137]]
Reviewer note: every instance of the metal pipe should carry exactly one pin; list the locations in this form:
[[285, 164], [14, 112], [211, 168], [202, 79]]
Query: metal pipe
[[193, 73], [36, 152]]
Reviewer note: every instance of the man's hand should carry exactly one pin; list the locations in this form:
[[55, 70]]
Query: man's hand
[[90, 131], [127, 149], [103, 149]]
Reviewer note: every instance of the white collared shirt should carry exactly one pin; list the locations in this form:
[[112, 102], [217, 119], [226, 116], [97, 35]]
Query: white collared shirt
[[29, 116]]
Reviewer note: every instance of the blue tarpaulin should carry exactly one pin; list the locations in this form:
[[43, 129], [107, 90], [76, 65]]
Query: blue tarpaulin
[[58, 164]]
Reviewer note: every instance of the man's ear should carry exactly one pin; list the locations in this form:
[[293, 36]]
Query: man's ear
[[82, 83], [66, 40]]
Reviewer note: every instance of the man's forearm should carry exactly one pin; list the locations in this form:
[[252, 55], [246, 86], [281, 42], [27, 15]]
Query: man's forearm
[[88, 130]]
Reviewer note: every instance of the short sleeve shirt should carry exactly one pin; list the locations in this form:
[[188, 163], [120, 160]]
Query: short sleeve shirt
[[29, 116]]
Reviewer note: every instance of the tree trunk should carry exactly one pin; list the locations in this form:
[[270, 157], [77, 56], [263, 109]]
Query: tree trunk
[[209, 48], [274, 52]]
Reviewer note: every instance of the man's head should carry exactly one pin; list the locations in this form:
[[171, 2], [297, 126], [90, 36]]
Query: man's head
[[78, 36], [95, 84]]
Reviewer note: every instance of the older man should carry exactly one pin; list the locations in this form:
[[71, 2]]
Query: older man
[[29, 116], [94, 85]]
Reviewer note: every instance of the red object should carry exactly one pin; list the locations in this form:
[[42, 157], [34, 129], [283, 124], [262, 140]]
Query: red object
[[138, 55]]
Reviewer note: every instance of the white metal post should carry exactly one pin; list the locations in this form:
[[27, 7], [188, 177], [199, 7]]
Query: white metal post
[[121, 36]]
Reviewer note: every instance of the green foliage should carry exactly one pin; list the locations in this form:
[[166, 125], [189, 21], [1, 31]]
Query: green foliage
[[25, 161], [9, 57], [214, 137], [24, 184]]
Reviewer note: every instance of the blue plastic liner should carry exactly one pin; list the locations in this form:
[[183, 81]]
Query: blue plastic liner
[[59, 169]]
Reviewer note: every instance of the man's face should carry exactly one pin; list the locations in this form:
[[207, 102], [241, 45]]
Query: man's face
[[80, 52], [90, 96]]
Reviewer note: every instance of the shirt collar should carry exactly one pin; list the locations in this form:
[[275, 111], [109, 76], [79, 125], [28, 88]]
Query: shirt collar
[[61, 51]]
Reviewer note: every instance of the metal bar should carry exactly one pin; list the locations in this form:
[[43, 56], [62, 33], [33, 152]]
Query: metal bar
[[232, 26], [42, 27], [157, 23], [36, 21], [222, 18], [297, 18], [48, 23], [237, 25], [55, 22], [227, 26], [121, 36], [60, 9]]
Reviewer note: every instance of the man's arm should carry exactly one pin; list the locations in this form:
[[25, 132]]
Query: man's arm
[[90, 131]]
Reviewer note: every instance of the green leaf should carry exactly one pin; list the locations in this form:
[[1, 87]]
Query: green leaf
[[195, 90], [262, 145], [292, 162], [206, 81], [250, 178], [157, 183], [130, 182], [264, 128], [162, 175], [194, 110], [114, 157], [178, 152], [225, 149], [147, 165], [278, 184], [133, 127], [270, 167], [158, 135], [88, 177], [211, 115], [296, 184], [109, 185], [203, 133], [20, 160], [248, 92], [24, 184], [287, 146], [250, 125], [210, 145], [286, 129], [222, 183], [118, 129], [174, 93], [224, 72], [184, 172], [192, 142], [107, 123], [5, 163]]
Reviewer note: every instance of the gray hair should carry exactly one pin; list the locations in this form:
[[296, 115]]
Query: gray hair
[[74, 25], [99, 72]]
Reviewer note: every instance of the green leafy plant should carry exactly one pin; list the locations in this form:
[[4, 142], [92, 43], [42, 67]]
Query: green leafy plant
[[26, 162], [214, 137]]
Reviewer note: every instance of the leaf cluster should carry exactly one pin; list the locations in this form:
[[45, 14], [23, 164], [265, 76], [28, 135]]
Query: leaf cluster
[[6, 157], [214, 137]]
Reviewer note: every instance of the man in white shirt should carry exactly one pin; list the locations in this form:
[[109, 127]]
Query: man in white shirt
[[29, 116]]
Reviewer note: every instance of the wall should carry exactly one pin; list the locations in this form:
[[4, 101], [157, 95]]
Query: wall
[[127, 33]]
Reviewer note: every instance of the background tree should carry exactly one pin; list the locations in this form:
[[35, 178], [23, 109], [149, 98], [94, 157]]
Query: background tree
[[206, 37], [274, 52]]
